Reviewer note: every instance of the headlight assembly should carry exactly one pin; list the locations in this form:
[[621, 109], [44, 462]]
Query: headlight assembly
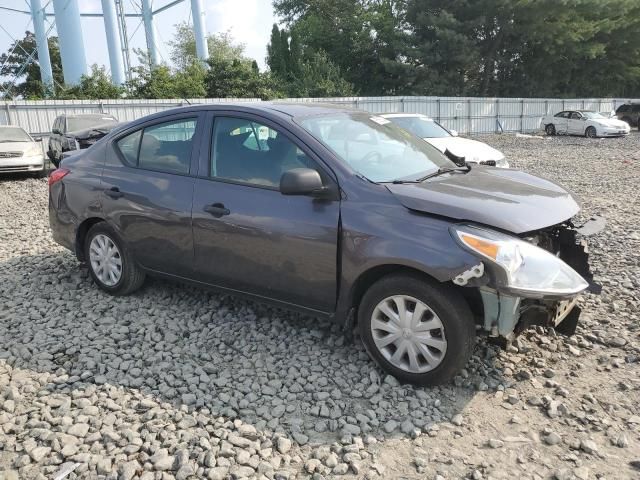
[[528, 269]]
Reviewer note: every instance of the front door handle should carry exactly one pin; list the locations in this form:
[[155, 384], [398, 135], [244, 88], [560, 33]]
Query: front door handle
[[114, 192], [217, 210]]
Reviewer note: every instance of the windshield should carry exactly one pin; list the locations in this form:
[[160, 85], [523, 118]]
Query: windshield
[[83, 123], [14, 135], [375, 147], [592, 115], [421, 126]]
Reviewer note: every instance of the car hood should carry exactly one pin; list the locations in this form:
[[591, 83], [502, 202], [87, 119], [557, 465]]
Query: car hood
[[90, 132], [471, 150], [17, 146], [611, 122], [510, 200]]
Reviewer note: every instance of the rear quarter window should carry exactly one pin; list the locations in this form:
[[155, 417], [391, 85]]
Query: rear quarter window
[[128, 147]]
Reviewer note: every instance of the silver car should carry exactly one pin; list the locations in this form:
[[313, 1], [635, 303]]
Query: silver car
[[19, 152]]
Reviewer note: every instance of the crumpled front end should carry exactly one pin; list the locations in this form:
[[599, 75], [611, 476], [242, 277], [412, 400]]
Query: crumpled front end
[[506, 311]]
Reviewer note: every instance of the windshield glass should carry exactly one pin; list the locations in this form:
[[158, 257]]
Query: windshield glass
[[14, 135], [82, 123], [375, 147], [421, 126], [592, 115]]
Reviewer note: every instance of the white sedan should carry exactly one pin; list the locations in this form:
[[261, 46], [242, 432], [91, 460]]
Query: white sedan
[[583, 122], [19, 152], [431, 131]]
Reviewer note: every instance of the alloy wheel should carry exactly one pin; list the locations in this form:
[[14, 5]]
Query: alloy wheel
[[105, 259], [408, 333]]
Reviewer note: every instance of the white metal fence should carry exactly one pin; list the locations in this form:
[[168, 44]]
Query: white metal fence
[[468, 115]]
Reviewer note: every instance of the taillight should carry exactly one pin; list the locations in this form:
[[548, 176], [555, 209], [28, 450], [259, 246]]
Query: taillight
[[57, 175]]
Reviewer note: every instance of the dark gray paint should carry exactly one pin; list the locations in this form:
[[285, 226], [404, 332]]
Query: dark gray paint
[[297, 251]]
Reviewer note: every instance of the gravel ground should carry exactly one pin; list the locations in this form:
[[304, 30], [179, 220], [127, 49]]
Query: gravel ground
[[178, 382]]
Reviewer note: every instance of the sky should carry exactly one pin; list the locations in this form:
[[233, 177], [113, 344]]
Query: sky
[[249, 22]]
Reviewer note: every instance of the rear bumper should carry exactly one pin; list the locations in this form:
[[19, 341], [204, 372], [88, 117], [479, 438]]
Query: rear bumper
[[63, 227]]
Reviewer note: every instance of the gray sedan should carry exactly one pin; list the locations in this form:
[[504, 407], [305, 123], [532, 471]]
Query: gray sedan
[[334, 212]]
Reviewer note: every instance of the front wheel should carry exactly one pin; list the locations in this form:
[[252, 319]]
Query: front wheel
[[550, 129], [590, 132], [111, 265], [416, 329]]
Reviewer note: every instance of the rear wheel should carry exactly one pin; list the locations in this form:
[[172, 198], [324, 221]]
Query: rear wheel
[[550, 129], [590, 132], [111, 265], [416, 329]]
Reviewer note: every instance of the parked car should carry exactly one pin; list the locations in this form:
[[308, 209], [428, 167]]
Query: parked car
[[19, 152], [629, 113], [583, 122], [443, 139], [79, 131], [334, 212]]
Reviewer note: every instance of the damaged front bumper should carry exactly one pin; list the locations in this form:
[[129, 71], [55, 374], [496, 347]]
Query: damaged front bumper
[[507, 313]]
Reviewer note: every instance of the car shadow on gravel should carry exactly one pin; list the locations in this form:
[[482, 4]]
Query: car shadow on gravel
[[182, 346]]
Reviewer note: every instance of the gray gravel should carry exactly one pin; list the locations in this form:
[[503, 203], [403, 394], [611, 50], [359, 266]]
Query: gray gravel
[[178, 382]]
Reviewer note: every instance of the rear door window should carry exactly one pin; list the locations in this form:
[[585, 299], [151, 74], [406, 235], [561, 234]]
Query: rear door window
[[129, 146], [164, 146]]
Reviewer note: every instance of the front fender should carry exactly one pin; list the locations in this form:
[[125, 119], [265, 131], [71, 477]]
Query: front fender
[[393, 236]]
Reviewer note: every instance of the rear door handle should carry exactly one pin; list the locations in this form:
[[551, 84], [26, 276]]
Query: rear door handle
[[217, 210], [114, 192]]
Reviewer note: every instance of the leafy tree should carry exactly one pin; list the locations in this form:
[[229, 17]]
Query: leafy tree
[[300, 76], [183, 46], [97, 85], [238, 78], [320, 77], [362, 37], [16, 62], [163, 82]]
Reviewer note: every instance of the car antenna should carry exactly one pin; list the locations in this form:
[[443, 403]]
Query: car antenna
[[185, 100]]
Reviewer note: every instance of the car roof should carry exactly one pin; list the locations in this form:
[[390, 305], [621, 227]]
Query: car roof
[[87, 115], [289, 109]]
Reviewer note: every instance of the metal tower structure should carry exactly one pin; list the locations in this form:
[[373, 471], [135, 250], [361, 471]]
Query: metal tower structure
[[124, 37], [74, 61], [114, 44], [38, 16], [68, 24]]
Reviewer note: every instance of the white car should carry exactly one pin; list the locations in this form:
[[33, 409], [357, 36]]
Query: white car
[[583, 122], [19, 152], [473, 151]]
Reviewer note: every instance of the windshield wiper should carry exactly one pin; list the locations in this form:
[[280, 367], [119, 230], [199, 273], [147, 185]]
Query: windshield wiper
[[442, 171]]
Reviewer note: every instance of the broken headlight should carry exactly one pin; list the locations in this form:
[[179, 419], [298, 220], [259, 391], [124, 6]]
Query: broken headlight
[[528, 269]]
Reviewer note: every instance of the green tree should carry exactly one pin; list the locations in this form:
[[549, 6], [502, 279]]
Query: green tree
[[183, 46], [303, 76], [97, 85], [20, 64], [363, 38], [238, 78]]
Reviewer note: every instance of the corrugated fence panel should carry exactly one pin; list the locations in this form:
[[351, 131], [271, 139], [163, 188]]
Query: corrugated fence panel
[[468, 115], [37, 116]]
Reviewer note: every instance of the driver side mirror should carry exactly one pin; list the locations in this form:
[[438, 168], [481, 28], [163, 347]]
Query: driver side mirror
[[454, 133], [301, 181]]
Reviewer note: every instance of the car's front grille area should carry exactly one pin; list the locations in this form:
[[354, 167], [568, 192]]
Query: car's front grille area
[[10, 154]]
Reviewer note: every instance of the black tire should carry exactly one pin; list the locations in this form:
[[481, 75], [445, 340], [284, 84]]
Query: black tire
[[550, 129], [41, 173], [446, 303], [132, 277], [590, 132], [628, 120]]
